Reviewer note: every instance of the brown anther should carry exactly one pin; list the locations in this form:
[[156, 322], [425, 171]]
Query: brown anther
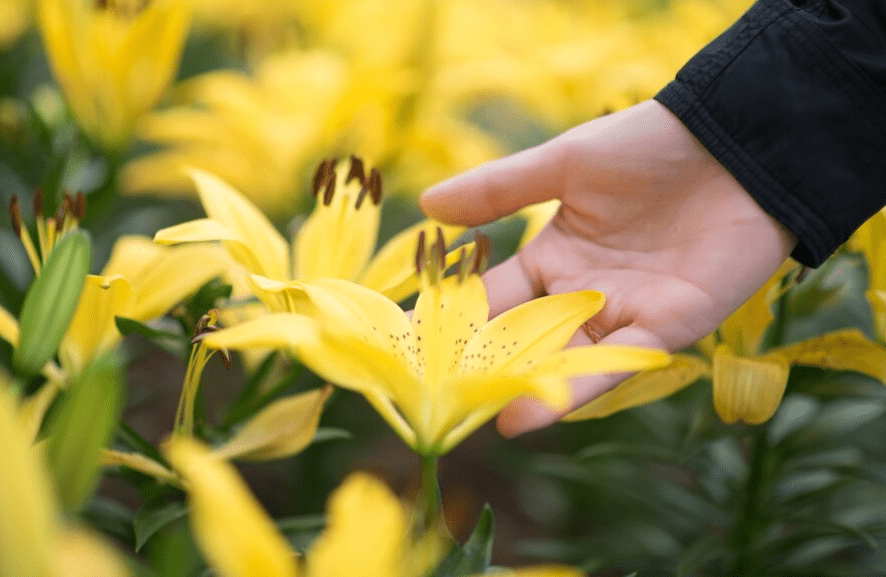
[[227, 361], [481, 253], [205, 324], [375, 186], [461, 268], [330, 190], [804, 271], [420, 256], [325, 169], [15, 214], [356, 171], [38, 203], [79, 208], [439, 250], [52, 224]]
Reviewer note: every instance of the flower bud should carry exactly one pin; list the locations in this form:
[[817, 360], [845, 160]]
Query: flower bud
[[51, 302]]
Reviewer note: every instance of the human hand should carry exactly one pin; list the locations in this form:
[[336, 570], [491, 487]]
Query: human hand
[[648, 217]]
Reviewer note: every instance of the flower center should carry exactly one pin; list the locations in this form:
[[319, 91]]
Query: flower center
[[122, 8], [49, 229]]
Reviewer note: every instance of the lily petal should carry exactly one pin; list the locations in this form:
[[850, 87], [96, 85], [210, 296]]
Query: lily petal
[[281, 429], [262, 248], [366, 533], [843, 350], [338, 238], [534, 329], [79, 552], [28, 520], [392, 270], [645, 387], [140, 463], [8, 327], [92, 330], [747, 389], [235, 534], [447, 316]]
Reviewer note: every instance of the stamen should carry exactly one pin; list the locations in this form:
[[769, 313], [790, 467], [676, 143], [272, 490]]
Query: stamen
[[420, 257], [38, 203], [330, 190], [51, 229], [79, 206], [356, 171], [375, 186], [461, 268], [439, 249], [63, 209], [207, 324], [322, 174], [15, 214], [481, 253], [361, 196]]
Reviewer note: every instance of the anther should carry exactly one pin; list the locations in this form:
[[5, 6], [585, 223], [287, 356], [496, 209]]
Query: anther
[[461, 268], [356, 171], [330, 189], [361, 196], [63, 208], [375, 186], [79, 208], [325, 170], [481, 253], [439, 250], [15, 214], [38, 203], [420, 253]]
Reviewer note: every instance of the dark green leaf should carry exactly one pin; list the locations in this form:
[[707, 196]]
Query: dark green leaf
[[149, 520], [476, 554], [131, 326]]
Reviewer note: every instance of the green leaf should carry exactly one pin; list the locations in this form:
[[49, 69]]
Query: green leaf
[[324, 434], [621, 449], [51, 302], [81, 428], [149, 520], [476, 554], [131, 326], [299, 524]]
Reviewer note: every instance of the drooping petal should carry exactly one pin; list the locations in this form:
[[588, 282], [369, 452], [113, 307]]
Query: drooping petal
[[92, 330], [392, 271], [28, 522], [447, 316], [338, 238], [251, 238], [281, 429], [234, 533], [747, 389], [140, 463], [366, 533], [644, 387], [529, 331], [346, 361], [843, 350]]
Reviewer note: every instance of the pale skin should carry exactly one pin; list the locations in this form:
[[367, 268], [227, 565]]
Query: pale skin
[[648, 217]]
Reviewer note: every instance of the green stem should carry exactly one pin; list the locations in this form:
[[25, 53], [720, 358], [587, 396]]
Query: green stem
[[430, 501], [749, 524]]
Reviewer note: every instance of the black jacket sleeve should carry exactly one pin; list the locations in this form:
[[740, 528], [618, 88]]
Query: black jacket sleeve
[[792, 101]]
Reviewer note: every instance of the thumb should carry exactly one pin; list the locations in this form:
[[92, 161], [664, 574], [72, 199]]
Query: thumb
[[500, 187]]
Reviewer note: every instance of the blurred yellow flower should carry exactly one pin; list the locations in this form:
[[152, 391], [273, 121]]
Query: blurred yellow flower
[[367, 531], [33, 540], [336, 241], [437, 376], [749, 379], [113, 58], [15, 17], [870, 240]]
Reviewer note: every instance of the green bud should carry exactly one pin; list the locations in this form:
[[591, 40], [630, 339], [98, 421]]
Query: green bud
[[81, 428], [51, 302]]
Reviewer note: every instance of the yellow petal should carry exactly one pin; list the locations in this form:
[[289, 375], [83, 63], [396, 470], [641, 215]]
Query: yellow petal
[[8, 327], [645, 387], [747, 389], [392, 271], [337, 240], [346, 361], [281, 429], [529, 331], [843, 350], [877, 300], [231, 528], [33, 409], [80, 553], [366, 533], [92, 330], [447, 316], [140, 463], [248, 225], [28, 523], [537, 216]]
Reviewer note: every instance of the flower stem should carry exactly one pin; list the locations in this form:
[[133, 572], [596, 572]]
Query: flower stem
[[749, 524], [430, 501]]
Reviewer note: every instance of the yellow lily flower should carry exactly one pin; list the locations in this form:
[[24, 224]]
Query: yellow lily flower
[[748, 380], [437, 376], [15, 17], [336, 241], [113, 58], [33, 540], [240, 540], [870, 240]]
